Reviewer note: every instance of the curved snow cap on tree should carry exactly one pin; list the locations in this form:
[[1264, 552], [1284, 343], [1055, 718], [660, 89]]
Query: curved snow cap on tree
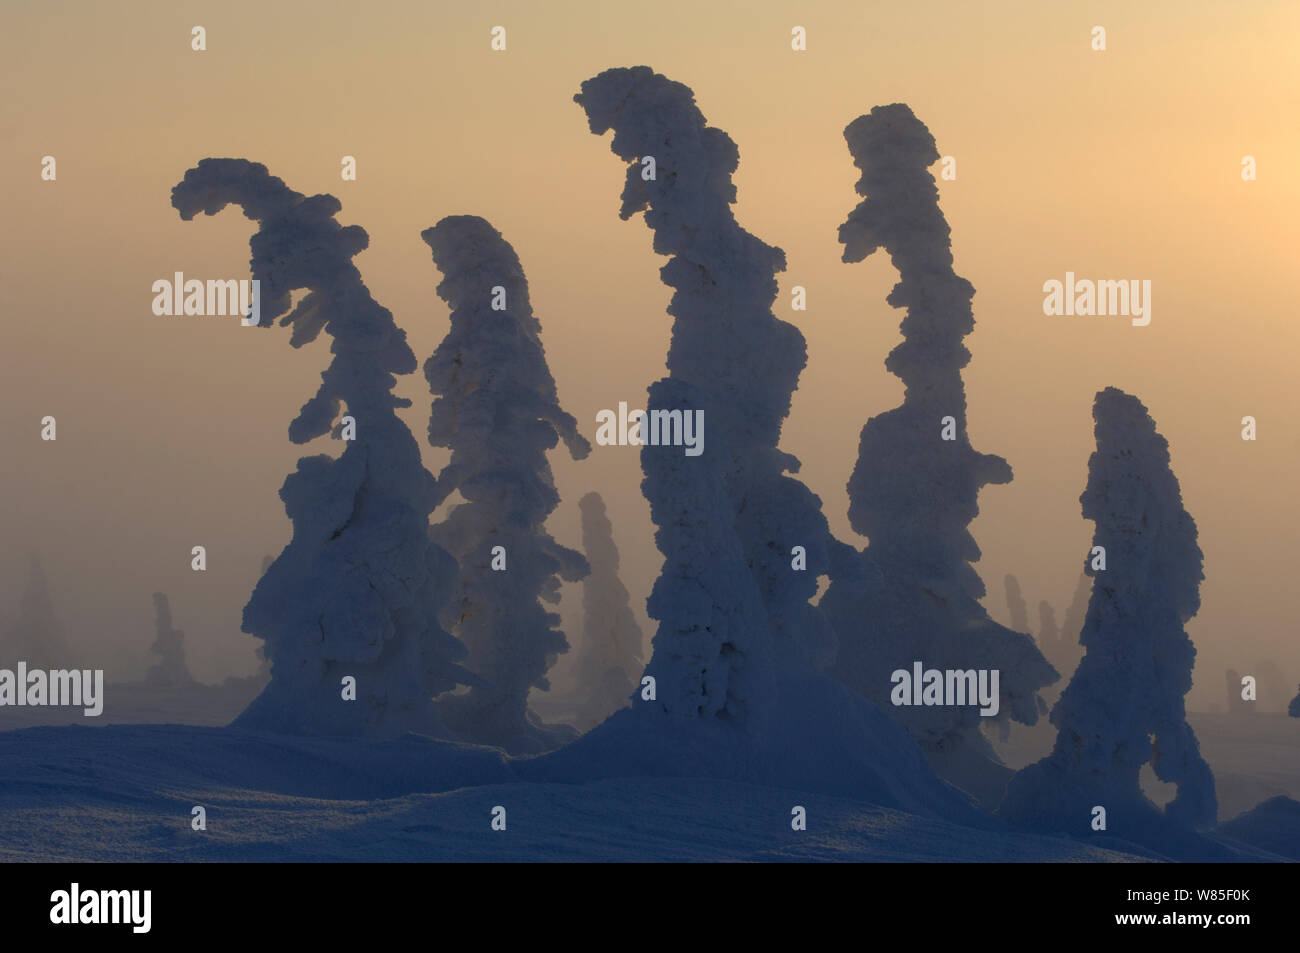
[[475, 259], [356, 593], [1124, 705], [496, 409], [911, 494], [727, 599], [299, 245]]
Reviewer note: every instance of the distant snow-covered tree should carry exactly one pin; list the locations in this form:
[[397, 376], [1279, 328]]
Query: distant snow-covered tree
[[1016, 604], [497, 410], [35, 637], [913, 492], [1066, 656], [1124, 706], [169, 646], [609, 664], [357, 592]]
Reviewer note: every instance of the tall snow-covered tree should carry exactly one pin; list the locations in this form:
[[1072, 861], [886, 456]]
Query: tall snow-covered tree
[[351, 605], [609, 664], [727, 602], [35, 637], [1124, 706], [497, 411], [169, 646], [913, 492], [733, 687]]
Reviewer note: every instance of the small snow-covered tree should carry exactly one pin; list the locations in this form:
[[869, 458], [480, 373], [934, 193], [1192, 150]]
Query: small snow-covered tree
[[35, 637], [497, 410], [1294, 708], [357, 592], [169, 646], [1124, 706], [913, 492], [609, 663]]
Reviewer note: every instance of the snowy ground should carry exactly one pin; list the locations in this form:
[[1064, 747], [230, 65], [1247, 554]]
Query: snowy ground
[[85, 789], [1254, 757], [126, 793]]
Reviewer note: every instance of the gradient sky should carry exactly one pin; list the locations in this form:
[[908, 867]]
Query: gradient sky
[[1116, 164]]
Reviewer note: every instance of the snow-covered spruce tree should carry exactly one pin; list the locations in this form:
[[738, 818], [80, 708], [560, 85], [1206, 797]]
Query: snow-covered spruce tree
[[609, 663], [1124, 705], [734, 360], [1016, 604], [169, 646], [357, 592], [734, 668], [35, 637], [1294, 708], [913, 491], [497, 411]]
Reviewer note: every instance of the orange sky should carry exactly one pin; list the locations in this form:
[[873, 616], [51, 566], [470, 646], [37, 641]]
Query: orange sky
[[1115, 164]]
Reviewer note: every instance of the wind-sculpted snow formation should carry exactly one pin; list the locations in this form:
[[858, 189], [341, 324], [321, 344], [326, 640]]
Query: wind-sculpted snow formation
[[496, 409], [357, 592], [737, 692], [1124, 706], [913, 492]]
